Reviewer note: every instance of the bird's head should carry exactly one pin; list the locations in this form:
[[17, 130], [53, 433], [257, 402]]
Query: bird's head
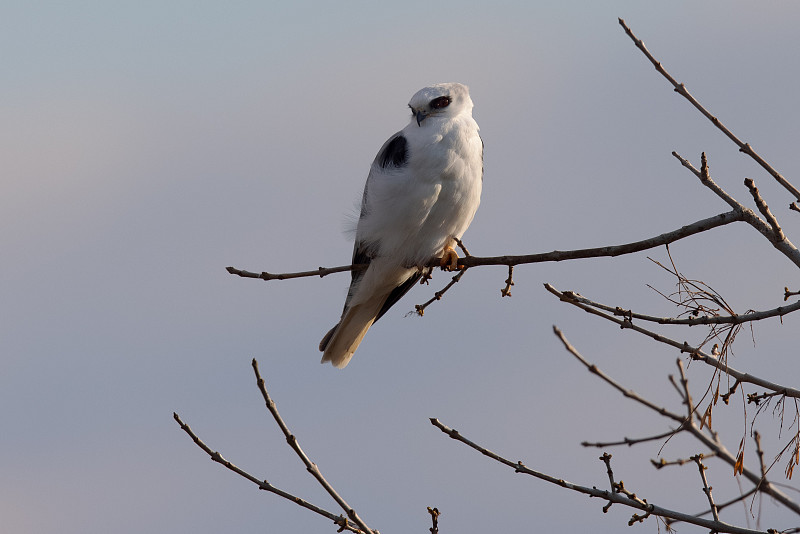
[[446, 100]]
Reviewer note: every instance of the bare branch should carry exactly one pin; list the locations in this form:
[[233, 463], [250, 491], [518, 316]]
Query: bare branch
[[698, 459], [779, 241], [341, 521], [764, 209], [760, 453], [606, 459], [755, 478], [681, 90], [466, 253], [621, 496], [419, 309], [662, 463], [628, 441], [556, 255], [696, 353], [626, 392], [310, 466], [322, 271], [712, 442], [722, 506], [706, 180], [734, 319], [687, 396]]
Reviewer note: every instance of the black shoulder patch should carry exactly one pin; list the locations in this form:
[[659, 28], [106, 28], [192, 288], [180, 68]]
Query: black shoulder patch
[[394, 153]]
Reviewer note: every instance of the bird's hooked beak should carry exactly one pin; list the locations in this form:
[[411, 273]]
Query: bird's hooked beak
[[420, 115]]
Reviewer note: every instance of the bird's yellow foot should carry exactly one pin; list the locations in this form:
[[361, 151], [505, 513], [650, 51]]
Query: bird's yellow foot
[[449, 261]]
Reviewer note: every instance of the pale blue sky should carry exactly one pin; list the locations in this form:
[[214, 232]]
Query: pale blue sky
[[146, 146]]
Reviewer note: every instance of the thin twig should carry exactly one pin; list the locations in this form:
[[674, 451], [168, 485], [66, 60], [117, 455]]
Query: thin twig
[[764, 209], [760, 453], [693, 320], [785, 246], [628, 441], [734, 461], [322, 271], [712, 442], [687, 396], [722, 506], [621, 496], [698, 459], [263, 484], [464, 249], [681, 89], [610, 381], [662, 463], [705, 178], [419, 309], [696, 353], [606, 459], [310, 466]]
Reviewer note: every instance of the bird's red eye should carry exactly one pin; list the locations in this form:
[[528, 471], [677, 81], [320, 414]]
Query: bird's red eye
[[440, 103]]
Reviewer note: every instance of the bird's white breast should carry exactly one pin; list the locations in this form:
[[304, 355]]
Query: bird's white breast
[[413, 212]]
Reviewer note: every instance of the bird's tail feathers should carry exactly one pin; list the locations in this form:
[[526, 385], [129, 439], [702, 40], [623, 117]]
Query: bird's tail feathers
[[341, 342]]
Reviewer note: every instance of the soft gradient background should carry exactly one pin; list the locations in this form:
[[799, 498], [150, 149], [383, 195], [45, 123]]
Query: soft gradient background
[[146, 146]]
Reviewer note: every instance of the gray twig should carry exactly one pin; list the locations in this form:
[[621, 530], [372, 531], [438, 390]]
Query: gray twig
[[629, 393], [724, 505], [693, 320], [310, 466], [620, 496], [764, 209], [681, 90], [709, 439], [341, 521], [698, 459], [695, 352], [419, 309], [783, 244], [628, 441], [662, 463], [606, 459]]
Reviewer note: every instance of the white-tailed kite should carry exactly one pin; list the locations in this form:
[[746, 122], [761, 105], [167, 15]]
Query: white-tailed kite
[[421, 194]]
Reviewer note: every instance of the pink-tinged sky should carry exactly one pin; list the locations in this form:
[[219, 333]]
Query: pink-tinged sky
[[147, 146]]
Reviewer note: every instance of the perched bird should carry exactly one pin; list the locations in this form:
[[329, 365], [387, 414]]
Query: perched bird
[[421, 194]]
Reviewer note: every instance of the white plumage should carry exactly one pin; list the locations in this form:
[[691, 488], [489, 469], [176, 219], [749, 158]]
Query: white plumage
[[421, 194]]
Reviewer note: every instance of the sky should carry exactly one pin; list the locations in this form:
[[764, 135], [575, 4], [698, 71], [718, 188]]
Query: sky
[[146, 146]]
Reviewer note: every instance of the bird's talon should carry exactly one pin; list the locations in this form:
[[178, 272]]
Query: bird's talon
[[449, 261]]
